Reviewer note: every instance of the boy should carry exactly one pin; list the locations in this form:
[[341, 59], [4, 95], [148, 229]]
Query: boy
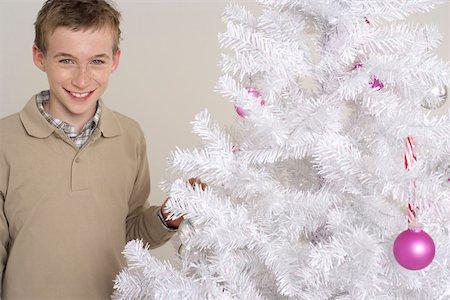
[[73, 174]]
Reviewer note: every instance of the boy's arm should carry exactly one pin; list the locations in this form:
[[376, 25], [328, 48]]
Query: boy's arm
[[143, 221], [4, 231]]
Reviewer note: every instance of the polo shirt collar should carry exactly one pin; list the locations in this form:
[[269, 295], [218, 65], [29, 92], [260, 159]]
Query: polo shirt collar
[[109, 125], [34, 122], [36, 125]]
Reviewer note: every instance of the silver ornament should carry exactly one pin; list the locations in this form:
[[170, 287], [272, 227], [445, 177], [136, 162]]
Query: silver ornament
[[437, 96]]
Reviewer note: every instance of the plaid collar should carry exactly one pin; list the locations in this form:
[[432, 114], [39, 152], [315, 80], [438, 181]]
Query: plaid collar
[[79, 139]]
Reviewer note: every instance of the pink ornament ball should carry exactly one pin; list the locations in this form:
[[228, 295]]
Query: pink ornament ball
[[257, 95], [240, 111], [375, 83], [358, 66], [414, 249]]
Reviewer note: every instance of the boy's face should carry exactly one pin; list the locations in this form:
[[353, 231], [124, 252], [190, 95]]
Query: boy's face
[[78, 65]]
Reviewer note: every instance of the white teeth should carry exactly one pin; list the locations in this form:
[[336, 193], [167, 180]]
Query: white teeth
[[79, 95]]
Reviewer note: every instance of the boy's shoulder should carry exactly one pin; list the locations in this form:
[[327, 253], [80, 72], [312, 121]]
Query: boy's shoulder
[[128, 126], [11, 124], [20, 123], [125, 120], [11, 132]]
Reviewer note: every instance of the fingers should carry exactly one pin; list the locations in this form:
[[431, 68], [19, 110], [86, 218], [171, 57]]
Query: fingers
[[194, 181]]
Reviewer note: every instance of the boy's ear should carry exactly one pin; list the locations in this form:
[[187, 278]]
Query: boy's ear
[[116, 60], [38, 58]]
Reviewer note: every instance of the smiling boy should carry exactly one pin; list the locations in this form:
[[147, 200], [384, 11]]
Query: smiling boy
[[78, 65], [74, 175]]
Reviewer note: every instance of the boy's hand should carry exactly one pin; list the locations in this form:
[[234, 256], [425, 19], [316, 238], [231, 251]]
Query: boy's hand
[[177, 222], [197, 182]]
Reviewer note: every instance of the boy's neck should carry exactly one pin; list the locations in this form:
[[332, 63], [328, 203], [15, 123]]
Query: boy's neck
[[77, 122]]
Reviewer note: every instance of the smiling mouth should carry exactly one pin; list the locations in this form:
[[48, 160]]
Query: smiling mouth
[[80, 96]]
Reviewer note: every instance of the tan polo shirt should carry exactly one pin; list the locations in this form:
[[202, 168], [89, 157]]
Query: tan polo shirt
[[66, 213]]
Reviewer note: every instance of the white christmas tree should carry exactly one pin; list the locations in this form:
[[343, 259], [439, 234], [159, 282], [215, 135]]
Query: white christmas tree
[[310, 188]]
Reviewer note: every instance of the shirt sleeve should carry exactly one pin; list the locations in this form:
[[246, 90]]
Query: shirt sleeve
[[4, 231], [143, 221]]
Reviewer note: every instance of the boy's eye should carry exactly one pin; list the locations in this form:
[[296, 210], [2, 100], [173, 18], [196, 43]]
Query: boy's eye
[[66, 61], [98, 62]]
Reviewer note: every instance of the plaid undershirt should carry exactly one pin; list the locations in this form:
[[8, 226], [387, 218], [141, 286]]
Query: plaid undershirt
[[80, 139]]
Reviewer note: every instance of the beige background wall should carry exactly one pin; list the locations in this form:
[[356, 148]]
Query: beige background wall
[[167, 72]]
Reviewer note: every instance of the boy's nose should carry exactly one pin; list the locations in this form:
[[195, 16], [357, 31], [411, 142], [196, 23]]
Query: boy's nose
[[81, 78]]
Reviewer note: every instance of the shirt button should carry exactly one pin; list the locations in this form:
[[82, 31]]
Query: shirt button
[[77, 160]]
